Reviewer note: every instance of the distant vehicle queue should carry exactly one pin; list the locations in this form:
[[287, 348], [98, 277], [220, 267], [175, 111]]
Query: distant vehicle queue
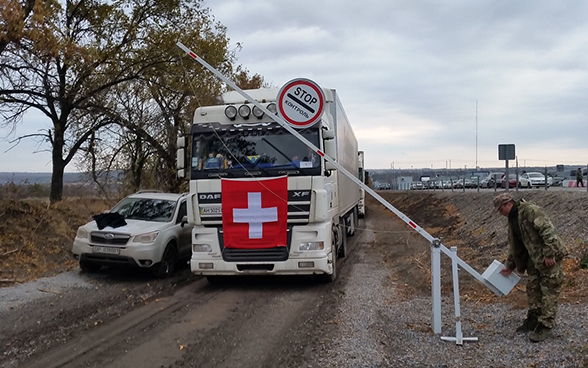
[[492, 180], [424, 180]]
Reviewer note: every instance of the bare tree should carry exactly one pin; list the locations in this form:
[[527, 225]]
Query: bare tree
[[18, 19], [81, 50], [158, 108]]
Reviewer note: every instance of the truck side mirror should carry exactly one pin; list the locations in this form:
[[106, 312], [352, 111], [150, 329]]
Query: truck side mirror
[[328, 134], [181, 156], [181, 162], [331, 151]]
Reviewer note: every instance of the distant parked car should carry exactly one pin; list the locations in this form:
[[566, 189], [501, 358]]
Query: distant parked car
[[512, 182], [556, 180], [537, 179], [493, 179], [143, 230]]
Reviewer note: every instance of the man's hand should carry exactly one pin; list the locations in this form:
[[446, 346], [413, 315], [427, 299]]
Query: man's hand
[[505, 272], [549, 261]]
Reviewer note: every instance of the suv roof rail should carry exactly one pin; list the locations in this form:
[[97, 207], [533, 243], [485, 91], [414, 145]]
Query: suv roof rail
[[149, 191]]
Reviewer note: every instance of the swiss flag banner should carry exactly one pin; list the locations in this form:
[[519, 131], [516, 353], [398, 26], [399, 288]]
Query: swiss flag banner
[[255, 212]]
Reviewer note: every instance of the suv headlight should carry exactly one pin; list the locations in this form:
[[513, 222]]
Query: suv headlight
[[82, 233], [146, 238]]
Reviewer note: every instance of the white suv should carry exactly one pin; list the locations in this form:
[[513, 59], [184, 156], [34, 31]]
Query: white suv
[[145, 229]]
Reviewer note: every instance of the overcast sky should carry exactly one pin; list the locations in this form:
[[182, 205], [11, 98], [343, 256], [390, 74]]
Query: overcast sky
[[424, 83]]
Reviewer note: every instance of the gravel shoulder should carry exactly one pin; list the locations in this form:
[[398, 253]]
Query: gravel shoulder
[[385, 319]]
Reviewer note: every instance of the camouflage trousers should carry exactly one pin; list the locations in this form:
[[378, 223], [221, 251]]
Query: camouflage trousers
[[543, 288]]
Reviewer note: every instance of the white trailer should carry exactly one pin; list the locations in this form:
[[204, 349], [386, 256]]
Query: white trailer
[[235, 146]]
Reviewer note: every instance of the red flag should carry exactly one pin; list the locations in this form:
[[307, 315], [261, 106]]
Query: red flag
[[255, 212]]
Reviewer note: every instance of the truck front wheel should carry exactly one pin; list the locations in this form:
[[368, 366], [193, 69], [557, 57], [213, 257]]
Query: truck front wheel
[[337, 238], [326, 278], [342, 240]]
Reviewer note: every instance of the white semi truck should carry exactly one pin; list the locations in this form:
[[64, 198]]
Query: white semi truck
[[260, 200]]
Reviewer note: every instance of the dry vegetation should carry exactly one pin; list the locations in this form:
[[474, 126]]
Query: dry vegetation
[[35, 238], [466, 220]]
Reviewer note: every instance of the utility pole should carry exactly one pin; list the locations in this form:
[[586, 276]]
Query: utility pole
[[476, 134]]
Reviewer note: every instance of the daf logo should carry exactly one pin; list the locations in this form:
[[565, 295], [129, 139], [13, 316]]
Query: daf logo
[[209, 196], [300, 194], [109, 236]]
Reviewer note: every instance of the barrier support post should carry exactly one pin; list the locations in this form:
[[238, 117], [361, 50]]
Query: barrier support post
[[436, 285], [459, 339]]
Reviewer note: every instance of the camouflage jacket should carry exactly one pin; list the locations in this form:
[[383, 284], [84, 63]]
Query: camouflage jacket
[[539, 238]]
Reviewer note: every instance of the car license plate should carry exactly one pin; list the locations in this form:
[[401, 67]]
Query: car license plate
[[107, 250], [211, 210]]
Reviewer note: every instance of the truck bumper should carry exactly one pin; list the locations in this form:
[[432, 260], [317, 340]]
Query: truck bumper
[[299, 262], [307, 266]]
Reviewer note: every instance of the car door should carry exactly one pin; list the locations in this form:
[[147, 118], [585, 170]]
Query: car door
[[524, 179], [185, 232]]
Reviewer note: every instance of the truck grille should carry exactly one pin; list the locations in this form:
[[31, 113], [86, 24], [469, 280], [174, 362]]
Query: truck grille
[[277, 254]]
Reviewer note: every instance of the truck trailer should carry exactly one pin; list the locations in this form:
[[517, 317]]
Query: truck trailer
[[260, 200]]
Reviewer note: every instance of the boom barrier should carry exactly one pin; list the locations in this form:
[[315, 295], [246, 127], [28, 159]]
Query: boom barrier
[[436, 246]]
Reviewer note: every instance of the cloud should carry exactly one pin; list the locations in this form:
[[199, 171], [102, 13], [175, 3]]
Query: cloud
[[428, 82]]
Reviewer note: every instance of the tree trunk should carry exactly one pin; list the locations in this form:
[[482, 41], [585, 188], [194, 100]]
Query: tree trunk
[[56, 193], [58, 163]]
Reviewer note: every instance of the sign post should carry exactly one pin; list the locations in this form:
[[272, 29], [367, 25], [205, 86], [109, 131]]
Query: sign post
[[506, 152]]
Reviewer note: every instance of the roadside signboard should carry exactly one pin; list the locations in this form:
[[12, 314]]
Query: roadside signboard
[[506, 151], [301, 103]]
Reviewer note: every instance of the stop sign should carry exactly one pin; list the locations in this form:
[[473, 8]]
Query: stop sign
[[301, 102]]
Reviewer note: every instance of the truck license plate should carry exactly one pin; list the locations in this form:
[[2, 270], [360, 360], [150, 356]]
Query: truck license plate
[[211, 210], [107, 250]]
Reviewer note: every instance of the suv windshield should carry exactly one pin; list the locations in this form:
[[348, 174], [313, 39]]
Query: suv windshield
[[146, 209], [264, 149]]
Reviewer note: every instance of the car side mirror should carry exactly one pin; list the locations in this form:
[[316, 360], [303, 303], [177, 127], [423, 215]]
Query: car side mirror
[[184, 221]]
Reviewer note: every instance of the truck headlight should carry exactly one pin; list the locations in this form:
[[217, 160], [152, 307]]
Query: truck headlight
[[311, 246], [201, 248], [146, 238], [231, 112]]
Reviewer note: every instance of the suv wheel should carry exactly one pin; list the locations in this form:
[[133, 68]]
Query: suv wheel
[[89, 267], [168, 262]]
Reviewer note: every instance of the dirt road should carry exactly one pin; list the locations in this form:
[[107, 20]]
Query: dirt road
[[124, 320]]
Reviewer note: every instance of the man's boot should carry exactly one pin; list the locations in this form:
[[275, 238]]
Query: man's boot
[[540, 333], [529, 324]]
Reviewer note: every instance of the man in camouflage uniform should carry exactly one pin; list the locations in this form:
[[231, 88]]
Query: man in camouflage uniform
[[534, 246]]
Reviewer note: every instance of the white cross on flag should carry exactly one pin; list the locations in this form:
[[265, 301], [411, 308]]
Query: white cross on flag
[[255, 212]]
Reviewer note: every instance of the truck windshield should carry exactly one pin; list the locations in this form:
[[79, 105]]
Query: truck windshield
[[265, 149]]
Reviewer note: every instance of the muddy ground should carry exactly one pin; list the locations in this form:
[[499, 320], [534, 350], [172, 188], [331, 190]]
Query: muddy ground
[[119, 318]]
